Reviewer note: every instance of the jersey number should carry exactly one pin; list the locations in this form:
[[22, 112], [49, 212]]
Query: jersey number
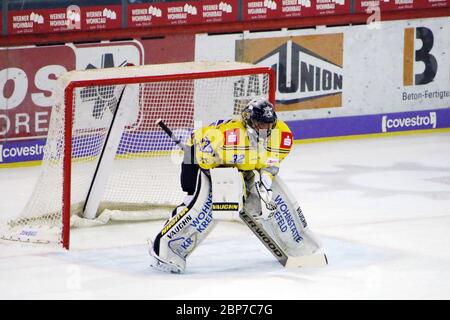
[[205, 146], [238, 158]]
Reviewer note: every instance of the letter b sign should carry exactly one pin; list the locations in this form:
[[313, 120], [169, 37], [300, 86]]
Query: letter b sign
[[422, 54]]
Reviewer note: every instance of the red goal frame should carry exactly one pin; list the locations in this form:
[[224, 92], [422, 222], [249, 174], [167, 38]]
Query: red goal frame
[[68, 120]]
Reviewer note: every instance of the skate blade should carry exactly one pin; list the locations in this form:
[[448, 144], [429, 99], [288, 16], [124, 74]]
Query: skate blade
[[164, 267]]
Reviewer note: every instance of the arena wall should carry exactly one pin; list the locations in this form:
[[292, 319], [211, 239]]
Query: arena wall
[[379, 78], [340, 81]]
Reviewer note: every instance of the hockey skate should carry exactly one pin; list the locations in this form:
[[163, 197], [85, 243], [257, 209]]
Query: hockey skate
[[161, 265]]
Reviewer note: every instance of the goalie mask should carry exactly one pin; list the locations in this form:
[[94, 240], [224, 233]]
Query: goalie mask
[[260, 118]]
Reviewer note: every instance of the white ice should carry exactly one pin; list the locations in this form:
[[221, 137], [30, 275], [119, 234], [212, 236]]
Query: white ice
[[381, 207]]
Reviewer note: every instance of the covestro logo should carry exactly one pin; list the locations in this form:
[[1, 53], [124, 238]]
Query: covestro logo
[[14, 154], [413, 122]]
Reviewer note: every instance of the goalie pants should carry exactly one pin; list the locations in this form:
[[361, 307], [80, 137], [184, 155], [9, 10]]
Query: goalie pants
[[189, 172]]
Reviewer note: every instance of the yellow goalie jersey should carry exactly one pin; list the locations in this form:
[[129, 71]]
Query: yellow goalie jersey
[[227, 144]]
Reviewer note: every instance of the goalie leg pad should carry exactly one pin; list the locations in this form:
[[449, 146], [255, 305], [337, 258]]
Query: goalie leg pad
[[185, 230], [166, 265], [289, 226]]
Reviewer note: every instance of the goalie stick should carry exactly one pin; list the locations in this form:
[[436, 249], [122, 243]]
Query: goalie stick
[[169, 132], [313, 260], [110, 146], [87, 207]]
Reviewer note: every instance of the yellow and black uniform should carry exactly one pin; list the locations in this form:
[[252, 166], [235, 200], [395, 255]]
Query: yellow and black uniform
[[232, 144]]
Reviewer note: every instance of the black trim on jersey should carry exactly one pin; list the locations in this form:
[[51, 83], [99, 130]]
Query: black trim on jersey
[[278, 150]]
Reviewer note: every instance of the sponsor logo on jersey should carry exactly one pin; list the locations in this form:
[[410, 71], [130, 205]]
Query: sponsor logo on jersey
[[286, 140], [226, 206], [232, 137]]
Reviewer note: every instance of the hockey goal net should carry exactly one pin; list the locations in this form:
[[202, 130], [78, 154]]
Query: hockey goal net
[[105, 152]]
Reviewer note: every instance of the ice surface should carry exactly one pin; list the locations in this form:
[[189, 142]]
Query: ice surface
[[380, 206]]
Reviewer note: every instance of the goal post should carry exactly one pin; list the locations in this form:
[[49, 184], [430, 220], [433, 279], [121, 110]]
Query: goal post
[[105, 151]]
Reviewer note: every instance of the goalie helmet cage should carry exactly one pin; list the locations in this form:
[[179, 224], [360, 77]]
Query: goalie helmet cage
[[104, 149]]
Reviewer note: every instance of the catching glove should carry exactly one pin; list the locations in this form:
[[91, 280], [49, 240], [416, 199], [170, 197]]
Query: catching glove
[[268, 206]]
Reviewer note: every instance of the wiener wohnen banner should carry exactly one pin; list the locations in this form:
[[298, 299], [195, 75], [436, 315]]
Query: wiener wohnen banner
[[280, 9], [61, 16], [191, 12], [394, 5]]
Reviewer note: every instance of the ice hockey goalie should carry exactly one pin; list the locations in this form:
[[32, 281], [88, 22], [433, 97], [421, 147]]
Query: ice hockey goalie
[[254, 145]]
